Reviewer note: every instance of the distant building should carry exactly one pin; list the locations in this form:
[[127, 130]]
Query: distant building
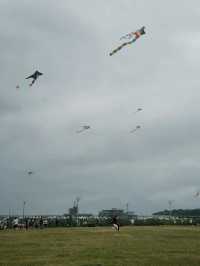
[[85, 215], [73, 211], [131, 215], [111, 213]]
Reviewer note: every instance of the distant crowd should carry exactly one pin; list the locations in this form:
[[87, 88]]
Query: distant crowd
[[45, 222], [26, 223], [42, 222]]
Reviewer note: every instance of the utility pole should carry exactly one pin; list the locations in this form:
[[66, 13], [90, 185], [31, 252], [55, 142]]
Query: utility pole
[[170, 202], [24, 203], [77, 208], [127, 205]]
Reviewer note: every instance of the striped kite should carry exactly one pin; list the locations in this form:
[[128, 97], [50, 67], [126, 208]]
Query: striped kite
[[132, 36]]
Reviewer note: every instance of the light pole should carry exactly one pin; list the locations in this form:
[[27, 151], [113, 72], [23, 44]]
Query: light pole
[[77, 210], [127, 205], [170, 202], [24, 203]]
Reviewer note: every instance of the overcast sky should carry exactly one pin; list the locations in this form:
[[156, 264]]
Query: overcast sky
[[69, 41]]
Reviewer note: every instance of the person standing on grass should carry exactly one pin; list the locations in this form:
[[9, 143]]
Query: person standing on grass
[[15, 223], [26, 223], [45, 223], [41, 222], [115, 223], [56, 222]]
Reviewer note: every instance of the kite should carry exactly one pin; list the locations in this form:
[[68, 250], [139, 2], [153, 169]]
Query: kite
[[197, 194], [83, 129], [135, 129], [34, 76], [138, 110], [30, 172], [133, 35], [17, 87]]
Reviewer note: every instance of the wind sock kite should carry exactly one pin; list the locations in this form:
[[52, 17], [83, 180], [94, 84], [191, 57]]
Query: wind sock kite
[[132, 35], [34, 76]]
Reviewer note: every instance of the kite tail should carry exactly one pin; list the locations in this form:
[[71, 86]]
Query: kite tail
[[33, 81], [118, 48], [121, 46]]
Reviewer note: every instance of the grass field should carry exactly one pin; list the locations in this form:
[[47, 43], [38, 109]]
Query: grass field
[[158, 245]]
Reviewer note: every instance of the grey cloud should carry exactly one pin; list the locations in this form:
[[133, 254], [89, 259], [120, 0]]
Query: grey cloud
[[107, 166]]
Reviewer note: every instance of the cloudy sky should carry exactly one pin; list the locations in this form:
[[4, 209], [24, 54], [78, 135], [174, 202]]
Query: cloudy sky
[[69, 41]]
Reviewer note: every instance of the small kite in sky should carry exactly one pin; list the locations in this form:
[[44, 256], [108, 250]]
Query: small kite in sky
[[197, 194], [17, 87], [138, 110], [135, 129], [133, 36], [34, 76], [86, 127], [30, 172]]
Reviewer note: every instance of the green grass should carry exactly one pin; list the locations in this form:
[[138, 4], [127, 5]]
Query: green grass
[[170, 245]]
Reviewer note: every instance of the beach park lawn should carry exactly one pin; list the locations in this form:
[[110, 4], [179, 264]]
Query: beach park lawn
[[102, 246]]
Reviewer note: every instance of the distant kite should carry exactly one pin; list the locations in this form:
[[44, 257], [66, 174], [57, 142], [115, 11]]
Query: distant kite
[[197, 194], [86, 127], [138, 110], [34, 76], [132, 35], [17, 87], [135, 129], [30, 172]]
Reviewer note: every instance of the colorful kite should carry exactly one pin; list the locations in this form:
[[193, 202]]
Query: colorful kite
[[133, 35], [34, 76]]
